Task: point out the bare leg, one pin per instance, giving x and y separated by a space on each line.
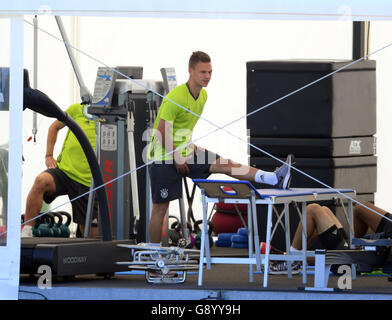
310 227
43 184
156 221
233 169
318 220
93 231
364 218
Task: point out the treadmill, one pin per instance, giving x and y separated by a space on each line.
72 256
68 257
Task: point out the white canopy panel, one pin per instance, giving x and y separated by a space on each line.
226 9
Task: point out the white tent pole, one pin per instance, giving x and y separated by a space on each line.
9 266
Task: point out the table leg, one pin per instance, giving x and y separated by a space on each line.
267 245
250 241
304 239
351 222
202 245
255 231
205 235
287 231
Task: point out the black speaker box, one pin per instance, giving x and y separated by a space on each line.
340 105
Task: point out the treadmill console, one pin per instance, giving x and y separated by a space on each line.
130 71
104 87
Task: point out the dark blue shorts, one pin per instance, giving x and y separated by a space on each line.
166 182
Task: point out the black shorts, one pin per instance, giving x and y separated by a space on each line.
166 182
67 186
385 225
331 239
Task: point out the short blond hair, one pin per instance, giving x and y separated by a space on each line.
196 57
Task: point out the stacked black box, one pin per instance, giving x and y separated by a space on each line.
329 125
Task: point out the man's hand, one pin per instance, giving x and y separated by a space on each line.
50 162
196 149
53 131
180 163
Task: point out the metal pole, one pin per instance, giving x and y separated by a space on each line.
35 74
84 92
132 168
184 228
120 214
361 31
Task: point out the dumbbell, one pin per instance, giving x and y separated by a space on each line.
176 234
43 226
198 233
173 235
57 232
65 231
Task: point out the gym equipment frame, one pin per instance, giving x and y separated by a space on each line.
161 260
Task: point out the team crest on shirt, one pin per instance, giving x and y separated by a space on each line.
164 193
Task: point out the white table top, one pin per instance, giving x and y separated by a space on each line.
272 195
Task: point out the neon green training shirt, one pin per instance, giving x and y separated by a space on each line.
182 121
72 160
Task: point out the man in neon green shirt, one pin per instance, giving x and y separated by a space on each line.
175 155
181 122
69 175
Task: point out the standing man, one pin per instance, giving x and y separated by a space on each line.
176 156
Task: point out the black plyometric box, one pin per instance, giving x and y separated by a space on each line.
340 105
358 173
313 147
278 240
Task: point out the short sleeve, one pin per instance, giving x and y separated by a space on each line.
73 110
169 111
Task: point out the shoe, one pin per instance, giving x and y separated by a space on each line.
281 267
283 173
27 232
